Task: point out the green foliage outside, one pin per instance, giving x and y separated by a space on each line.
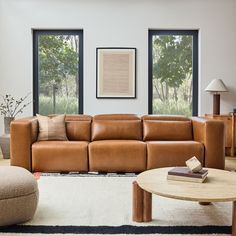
58 74
172 75
64 105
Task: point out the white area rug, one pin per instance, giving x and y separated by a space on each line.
103 205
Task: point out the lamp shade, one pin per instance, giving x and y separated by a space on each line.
216 85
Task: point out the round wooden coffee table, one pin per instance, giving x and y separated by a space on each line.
220 186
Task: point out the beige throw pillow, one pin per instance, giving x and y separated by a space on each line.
51 128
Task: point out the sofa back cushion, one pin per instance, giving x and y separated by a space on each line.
116 117
116 126
78 127
167 129
166 117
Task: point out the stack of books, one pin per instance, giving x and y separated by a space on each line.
185 174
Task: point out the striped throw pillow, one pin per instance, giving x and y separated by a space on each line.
51 128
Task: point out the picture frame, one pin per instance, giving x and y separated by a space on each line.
116 73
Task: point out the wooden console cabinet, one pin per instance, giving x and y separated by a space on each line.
229 120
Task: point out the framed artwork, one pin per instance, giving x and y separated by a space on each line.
116 73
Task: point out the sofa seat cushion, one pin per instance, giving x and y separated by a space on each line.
172 153
117 156
59 156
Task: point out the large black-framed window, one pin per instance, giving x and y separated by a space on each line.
57 71
173 72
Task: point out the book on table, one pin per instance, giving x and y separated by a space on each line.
187 179
185 174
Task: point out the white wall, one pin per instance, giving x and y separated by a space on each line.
123 23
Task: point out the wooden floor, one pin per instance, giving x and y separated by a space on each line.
230 162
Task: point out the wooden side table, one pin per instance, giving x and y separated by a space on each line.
5 145
229 121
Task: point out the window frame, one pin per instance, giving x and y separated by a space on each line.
36 34
194 34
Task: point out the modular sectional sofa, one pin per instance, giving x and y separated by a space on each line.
119 143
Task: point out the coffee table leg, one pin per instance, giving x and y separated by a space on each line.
142 204
147 206
234 220
137 203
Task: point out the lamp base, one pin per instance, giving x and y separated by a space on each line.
216 104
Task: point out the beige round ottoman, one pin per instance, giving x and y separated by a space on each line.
18 195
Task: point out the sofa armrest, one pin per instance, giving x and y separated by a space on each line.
24 132
211 134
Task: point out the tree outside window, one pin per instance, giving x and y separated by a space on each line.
57 72
172 76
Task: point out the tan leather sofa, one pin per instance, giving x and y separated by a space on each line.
119 143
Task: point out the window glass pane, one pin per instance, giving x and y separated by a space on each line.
58 73
172 74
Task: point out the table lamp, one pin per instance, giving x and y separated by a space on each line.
216 87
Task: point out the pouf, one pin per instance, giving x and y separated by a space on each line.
18 195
